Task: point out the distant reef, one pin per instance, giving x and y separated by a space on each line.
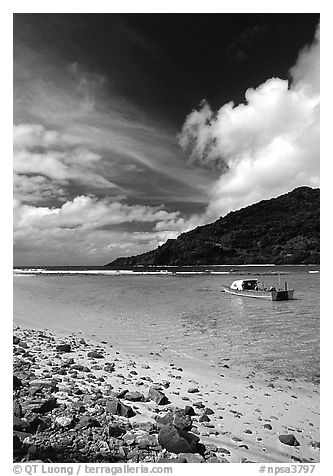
283 230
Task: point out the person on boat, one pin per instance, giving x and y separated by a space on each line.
256 287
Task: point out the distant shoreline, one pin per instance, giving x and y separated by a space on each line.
164 270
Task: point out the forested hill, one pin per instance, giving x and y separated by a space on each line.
283 230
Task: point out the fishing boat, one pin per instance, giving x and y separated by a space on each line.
250 288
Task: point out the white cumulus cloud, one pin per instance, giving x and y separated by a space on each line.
264 147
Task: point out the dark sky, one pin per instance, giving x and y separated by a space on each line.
132 128
167 63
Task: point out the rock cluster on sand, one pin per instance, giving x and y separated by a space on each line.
62 412
75 401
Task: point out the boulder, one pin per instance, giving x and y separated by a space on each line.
289 440
178 441
157 396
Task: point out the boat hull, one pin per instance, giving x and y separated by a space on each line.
268 295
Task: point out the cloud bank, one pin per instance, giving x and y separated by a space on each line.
85 227
264 147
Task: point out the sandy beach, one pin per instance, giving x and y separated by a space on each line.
77 399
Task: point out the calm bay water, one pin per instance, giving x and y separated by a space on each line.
184 315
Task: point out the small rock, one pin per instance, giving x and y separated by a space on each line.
95 355
146 441
115 431
20 425
115 407
147 426
204 418
87 422
63 348
43 384
224 451
64 421
17 383
188 410
198 404
192 457
134 396
157 396
215 459
193 390
315 444
289 440
17 409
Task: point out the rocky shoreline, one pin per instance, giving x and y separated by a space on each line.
77 401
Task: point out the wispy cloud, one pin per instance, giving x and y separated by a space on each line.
48 153
86 158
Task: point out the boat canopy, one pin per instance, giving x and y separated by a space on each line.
241 284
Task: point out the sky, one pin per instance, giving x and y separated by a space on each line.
130 129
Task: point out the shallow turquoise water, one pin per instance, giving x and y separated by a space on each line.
185 315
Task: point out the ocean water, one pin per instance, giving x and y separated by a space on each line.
184 315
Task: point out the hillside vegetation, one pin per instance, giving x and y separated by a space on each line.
283 230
